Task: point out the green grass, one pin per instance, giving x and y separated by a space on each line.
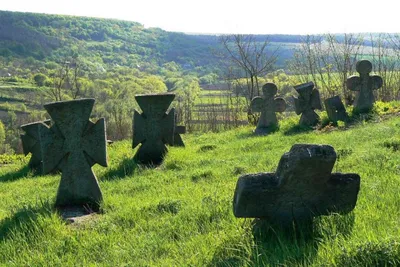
180 213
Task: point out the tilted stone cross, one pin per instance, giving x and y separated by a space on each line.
302 187
268 104
74 144
31 144
306 102
364 86
153 128
335 109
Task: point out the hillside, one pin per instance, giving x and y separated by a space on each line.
180 214
116 42
106 41
109 60
46 58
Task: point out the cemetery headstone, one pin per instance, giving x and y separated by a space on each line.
268 105
364 85
153 128
31 144
302 187
305 104
335 109
73 144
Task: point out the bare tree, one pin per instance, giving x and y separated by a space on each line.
305 61
66 80
345 50
248 58
385 57
327 61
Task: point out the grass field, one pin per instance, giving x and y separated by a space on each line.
180 213
218 101
20 97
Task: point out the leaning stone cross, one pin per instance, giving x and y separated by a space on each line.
31 144
306 102
302 187
268 104
74 144
364 86
153 128
335 109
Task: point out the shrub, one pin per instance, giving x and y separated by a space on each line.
40 79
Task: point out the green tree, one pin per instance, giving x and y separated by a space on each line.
186 96
40 79
153 84
209 78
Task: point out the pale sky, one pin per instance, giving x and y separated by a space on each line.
235 16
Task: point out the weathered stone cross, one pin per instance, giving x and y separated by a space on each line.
302 188
74 144
31 144
267 105
153 128
305 104
335 109
364 86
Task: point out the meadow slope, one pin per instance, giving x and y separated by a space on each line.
180 213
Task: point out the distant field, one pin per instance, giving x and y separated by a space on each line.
17 92
20 98
218 109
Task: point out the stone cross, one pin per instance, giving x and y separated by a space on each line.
31 144
335 109
364 86
177 141
268 104
306 102
74 144
302 187
153 128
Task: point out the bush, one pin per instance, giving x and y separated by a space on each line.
40 79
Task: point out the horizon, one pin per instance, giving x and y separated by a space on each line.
179 16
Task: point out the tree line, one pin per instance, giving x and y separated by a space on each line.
246 63
327 60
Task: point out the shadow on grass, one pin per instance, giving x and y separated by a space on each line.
298 129
23 172
126 168
267 244
325 125
24 220
259 132
359 117
353 118
296 244
248 134
15 175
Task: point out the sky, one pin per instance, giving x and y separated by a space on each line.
234 16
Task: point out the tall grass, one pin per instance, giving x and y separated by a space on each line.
180 213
